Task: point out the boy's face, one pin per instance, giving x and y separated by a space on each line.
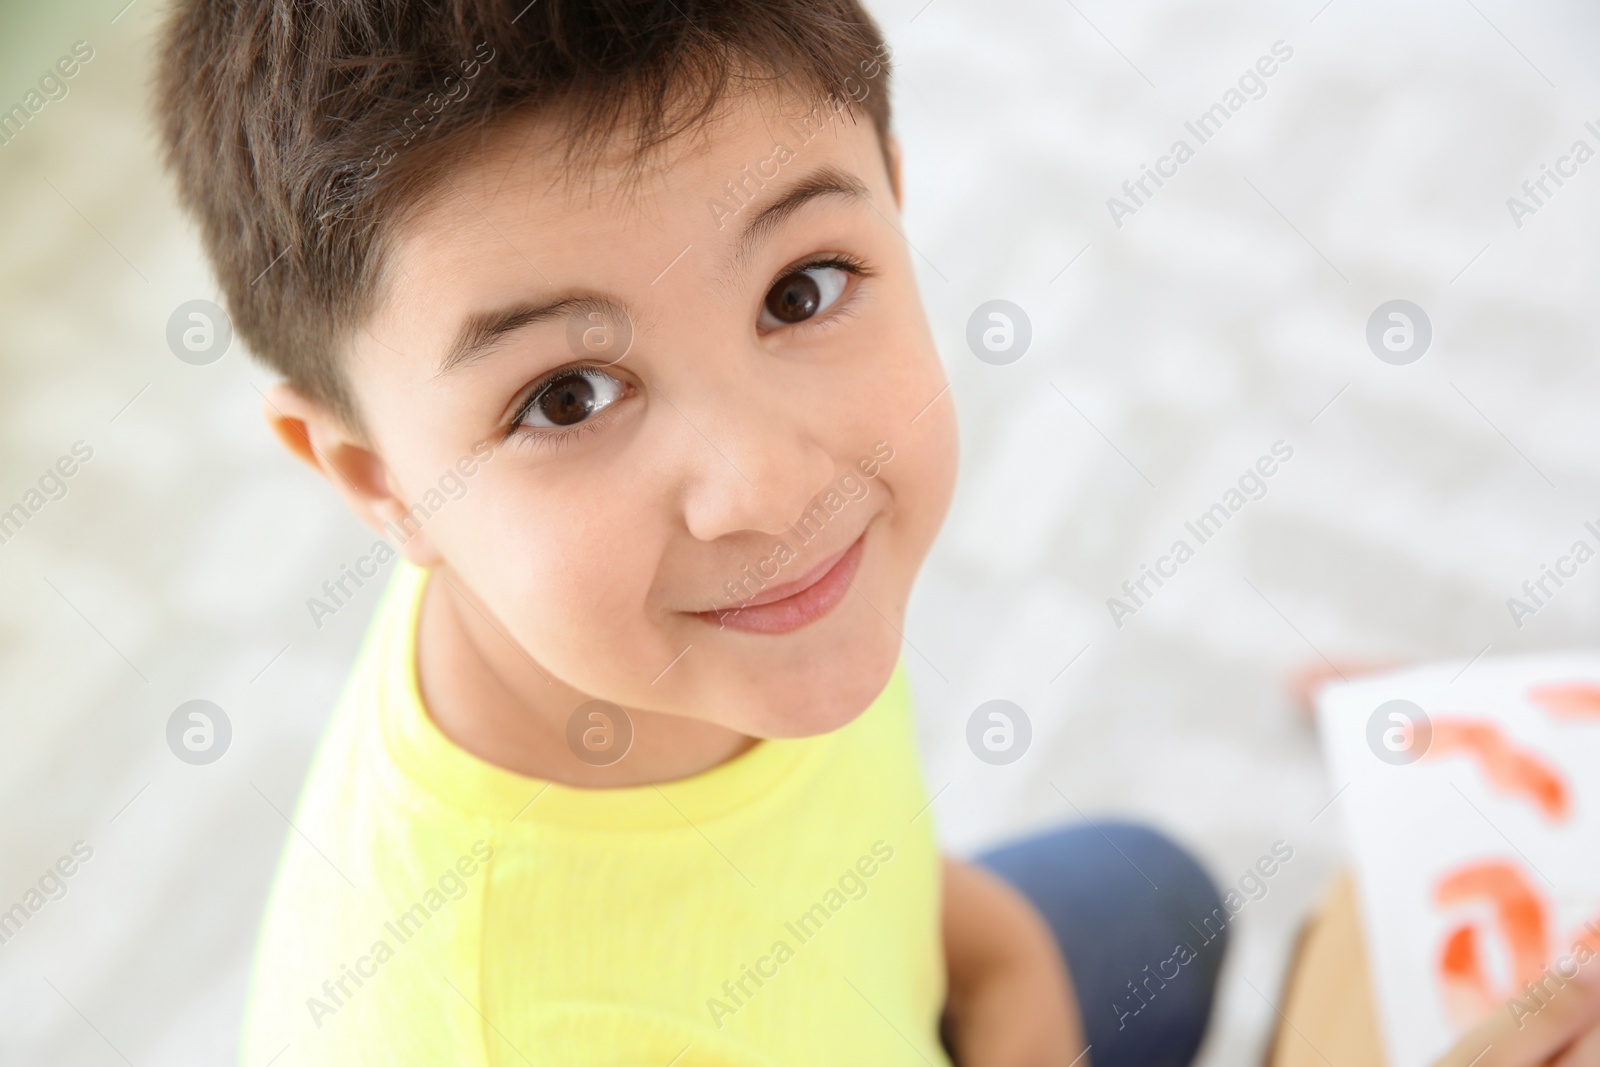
775 431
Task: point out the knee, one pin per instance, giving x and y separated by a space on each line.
1185 901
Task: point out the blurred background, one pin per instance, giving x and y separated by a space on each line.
1227 312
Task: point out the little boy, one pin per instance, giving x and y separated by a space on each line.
600 309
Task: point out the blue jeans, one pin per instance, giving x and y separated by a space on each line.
1136 919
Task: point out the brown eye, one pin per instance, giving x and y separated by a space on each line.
795 298
571 398
802 294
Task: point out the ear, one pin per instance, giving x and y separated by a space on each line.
316 436
892 151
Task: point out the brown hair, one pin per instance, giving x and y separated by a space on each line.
300 130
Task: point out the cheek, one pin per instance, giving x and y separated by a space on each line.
911 374
915 416
941 449
917 419
569 583
922 476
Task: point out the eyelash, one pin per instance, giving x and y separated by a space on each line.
844 262
838 260
555 440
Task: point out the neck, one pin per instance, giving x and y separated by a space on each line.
490 698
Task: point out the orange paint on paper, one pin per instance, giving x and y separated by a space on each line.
1507 769
1463 978
1470 992
1567 700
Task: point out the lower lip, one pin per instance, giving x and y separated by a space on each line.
799 609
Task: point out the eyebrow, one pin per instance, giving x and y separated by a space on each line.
484 329
824 181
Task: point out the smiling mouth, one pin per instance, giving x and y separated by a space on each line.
783 608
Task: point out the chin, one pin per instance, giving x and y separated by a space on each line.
819 696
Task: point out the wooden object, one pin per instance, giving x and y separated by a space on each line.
1327 1018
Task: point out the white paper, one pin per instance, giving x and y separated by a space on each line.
1475 864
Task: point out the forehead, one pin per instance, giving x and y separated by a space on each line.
751 143
516 216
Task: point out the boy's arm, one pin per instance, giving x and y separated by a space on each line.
1010 1002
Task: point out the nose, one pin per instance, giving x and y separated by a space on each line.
752 466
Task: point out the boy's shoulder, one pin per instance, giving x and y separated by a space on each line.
363 854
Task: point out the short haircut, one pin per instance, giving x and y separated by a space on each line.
301 131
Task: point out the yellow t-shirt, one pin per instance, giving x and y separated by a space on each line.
779 909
